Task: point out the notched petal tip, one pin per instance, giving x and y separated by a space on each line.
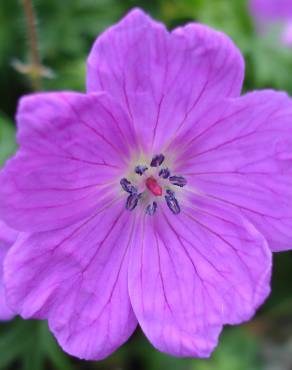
137 13
137 18
213 42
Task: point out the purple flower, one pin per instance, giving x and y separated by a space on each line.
153 199
7 238
270 12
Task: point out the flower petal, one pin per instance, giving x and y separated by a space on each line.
287 33
73 150
77 278
7 238
162 78
195 272
271 9
241 154
5 311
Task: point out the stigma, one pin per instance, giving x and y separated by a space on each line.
153 186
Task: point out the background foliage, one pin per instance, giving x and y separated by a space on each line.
66 30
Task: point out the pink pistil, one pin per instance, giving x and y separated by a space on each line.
153 186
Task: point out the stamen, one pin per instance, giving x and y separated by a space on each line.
153 186
132 201
157 160
164 173
127 186
151 209
140 169
172 202
178 181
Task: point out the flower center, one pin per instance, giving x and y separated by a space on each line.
145 186
153 186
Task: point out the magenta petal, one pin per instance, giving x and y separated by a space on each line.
5 311
77 278
162 78
271 9
287 32
7 238
73 147
194 272
240 153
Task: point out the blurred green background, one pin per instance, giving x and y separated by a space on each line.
66 31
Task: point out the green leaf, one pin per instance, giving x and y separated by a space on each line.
237 349
7 139
12 343
53 352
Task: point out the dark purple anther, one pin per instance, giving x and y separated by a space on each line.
170 192
127 186
164 173
172 202
157 160
140 169
132 201
178 181
151 209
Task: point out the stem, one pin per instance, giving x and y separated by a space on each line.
33 43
